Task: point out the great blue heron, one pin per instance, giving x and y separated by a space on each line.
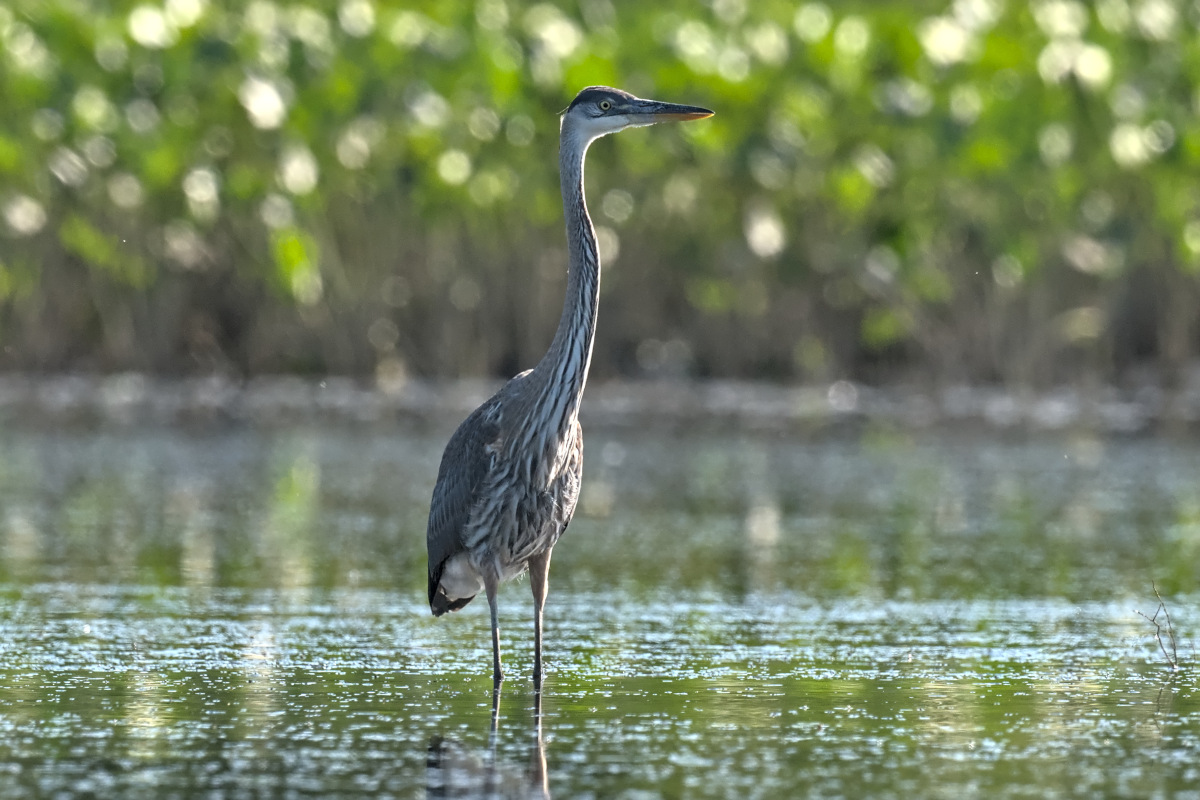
509 478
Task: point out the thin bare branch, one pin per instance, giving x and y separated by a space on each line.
1173 656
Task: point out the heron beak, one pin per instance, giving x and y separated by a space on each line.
654 111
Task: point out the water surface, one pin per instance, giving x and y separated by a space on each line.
731 614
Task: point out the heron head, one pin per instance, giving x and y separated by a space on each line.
600 110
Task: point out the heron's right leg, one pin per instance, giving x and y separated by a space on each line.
490 586
539 573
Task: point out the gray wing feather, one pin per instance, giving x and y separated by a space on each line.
465 465
571 480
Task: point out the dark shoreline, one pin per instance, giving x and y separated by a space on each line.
136 399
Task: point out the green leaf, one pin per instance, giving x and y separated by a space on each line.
109 254
296 263
884 326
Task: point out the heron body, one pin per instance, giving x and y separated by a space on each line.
510 475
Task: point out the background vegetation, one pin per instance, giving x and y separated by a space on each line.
978 190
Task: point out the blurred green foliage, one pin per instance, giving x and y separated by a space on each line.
991 190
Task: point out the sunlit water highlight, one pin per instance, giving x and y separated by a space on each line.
731 615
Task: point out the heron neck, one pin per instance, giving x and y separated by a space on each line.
564 368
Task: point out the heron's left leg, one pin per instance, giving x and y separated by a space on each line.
539 573
490 586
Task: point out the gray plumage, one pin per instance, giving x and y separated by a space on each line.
510 475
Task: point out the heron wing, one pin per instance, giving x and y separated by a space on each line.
570 481
465 464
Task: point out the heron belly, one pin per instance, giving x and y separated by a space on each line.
460 579
522 512
507 534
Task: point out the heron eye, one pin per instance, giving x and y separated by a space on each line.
605 105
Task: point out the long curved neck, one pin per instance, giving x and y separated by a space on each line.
562 373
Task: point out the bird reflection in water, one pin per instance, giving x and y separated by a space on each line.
453 770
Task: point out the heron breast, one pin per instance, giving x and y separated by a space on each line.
513 525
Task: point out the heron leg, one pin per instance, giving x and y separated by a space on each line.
490 586
539 574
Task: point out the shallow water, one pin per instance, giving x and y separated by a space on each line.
867 614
